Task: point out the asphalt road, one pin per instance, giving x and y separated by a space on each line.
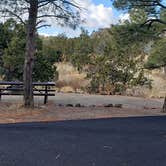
111 142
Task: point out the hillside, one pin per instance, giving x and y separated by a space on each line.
70 80
158 83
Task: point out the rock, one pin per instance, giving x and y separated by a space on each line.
69 105
60 105
108 105
118 105
78 105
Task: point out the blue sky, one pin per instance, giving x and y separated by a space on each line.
99 14
107 3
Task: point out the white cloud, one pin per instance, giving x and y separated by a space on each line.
45 34
96 16
124 17
52 31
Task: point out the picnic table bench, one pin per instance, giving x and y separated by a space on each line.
16 88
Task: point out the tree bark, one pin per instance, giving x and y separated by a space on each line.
29 54
164 105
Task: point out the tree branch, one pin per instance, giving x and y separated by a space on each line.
159 4
13 14
52 15
43 4
46 25
151 21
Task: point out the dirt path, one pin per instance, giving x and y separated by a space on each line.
85 99
11 110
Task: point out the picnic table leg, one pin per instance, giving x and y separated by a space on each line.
46 95
164 105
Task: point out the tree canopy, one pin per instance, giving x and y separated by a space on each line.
153 8
64 12
156 15
13 54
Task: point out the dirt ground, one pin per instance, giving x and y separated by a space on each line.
13 112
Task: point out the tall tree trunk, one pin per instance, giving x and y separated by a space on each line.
164 105
29 54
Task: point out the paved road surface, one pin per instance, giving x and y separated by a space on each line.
71 98
111 142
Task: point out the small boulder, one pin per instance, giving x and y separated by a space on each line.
78 105
118 105
69 105
60 105
108 105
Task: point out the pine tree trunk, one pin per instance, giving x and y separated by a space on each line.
29 55
164 105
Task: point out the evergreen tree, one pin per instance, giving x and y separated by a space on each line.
156 12
37 10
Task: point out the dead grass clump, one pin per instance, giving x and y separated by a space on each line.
70 80
18 108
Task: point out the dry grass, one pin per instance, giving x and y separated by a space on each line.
15 113
70 80
158 83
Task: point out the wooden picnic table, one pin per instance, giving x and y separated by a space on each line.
16 88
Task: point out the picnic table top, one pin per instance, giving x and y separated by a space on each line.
21 83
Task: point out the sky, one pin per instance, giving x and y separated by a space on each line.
98 14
